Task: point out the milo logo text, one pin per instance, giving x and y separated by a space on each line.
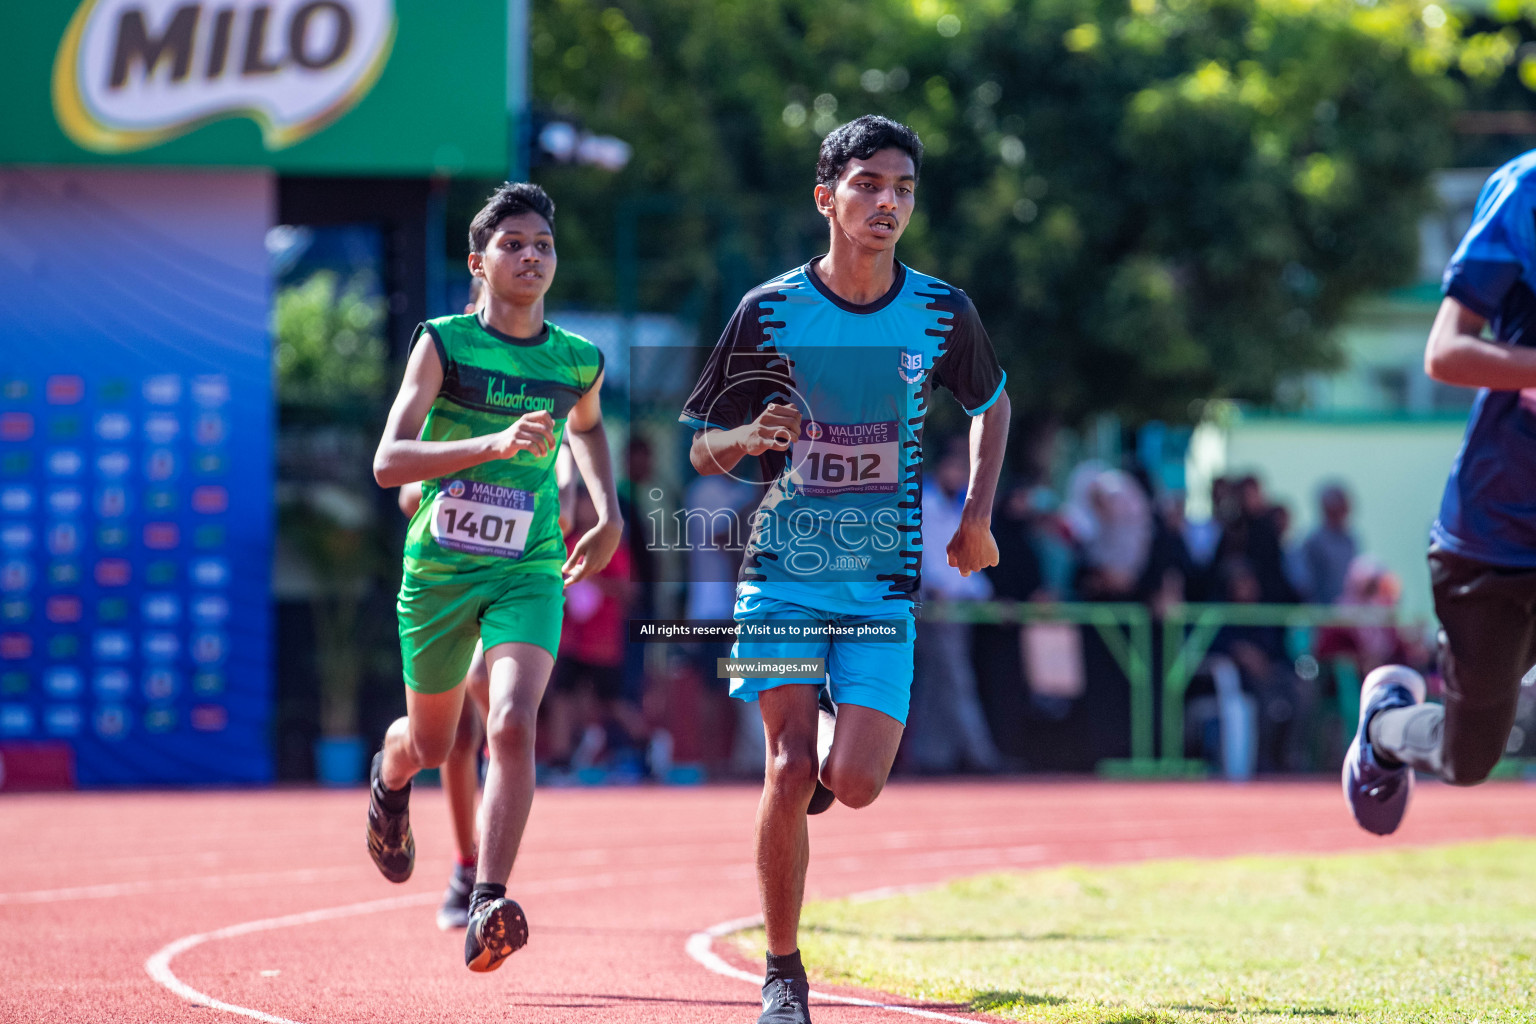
130 74
498 395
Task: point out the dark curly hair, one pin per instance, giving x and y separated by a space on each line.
511 199
862 138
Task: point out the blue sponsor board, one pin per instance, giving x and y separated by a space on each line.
135 473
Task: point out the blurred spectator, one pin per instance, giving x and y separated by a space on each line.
1368 583
1266 672
1202 535
642 560
1019 574
946 729
1111 521
1170 567
1329 549
588 681
716 525
1252 534
637 474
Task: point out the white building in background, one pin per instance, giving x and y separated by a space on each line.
1380 423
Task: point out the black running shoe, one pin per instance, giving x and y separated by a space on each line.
454 910
786 1001
497 929
390 842
826 723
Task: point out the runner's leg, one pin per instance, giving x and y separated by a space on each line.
519 673
783 842
461 771
863 749
423 737
1490 629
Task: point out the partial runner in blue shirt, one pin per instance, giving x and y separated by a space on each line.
825 373
1482 555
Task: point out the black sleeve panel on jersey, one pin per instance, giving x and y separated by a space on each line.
437 341
741 375
968 366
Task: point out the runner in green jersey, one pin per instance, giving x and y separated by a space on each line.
479 419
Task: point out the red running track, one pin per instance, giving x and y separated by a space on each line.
267 901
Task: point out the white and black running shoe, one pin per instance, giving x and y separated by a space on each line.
786 1001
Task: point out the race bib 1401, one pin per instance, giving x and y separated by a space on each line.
482 519
848 458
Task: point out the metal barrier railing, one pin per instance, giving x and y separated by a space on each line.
1189 630
1126 629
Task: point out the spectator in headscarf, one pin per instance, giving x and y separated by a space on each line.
1110 518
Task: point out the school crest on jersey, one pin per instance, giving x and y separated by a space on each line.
912 369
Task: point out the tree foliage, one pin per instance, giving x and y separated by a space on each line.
329 340
1152 202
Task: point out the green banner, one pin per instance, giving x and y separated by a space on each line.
393 87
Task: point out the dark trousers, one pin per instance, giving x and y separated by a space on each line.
1489 616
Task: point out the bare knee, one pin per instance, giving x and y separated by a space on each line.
430 751
792 771
855 787
510 731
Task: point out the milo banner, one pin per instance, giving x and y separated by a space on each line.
400 87
135 478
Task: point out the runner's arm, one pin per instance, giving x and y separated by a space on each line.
716 450
1457 354
589 446
973 547
403 458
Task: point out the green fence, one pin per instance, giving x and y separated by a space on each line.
1188 632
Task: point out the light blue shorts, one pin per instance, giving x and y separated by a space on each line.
870 673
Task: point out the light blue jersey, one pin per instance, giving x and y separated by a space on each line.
838 539
841 526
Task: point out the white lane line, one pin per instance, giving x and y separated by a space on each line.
115 890
159 965
700 947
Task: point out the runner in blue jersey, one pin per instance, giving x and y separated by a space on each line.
826 373
1482 554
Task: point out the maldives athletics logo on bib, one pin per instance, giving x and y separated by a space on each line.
130 74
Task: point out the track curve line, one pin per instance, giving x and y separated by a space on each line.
701 947
159 964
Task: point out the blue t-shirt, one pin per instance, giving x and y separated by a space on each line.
1489 509
842 519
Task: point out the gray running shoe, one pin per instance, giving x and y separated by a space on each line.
1377 795
453 912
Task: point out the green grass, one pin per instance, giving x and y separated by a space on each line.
1399 937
